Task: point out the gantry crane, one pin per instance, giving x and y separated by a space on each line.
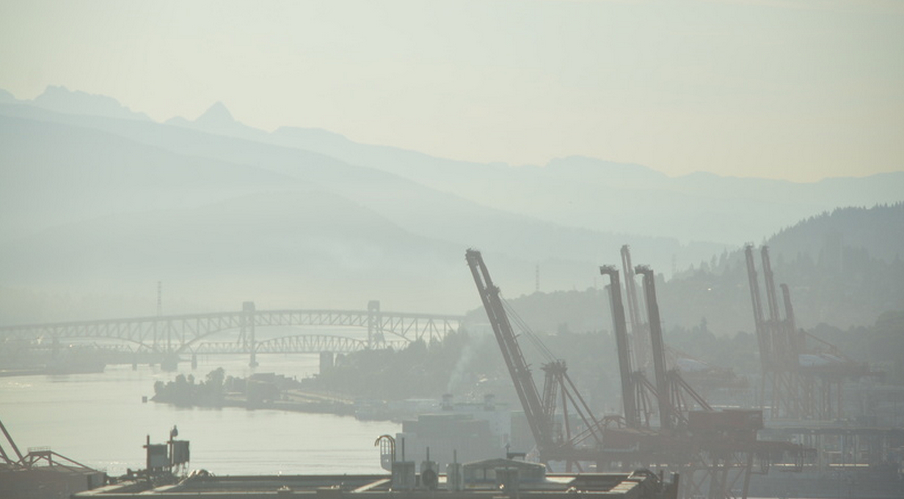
629 399
762 334
639 331
540 424
657 347
675 396
714 451
784 357
797 392
779 347
636 388
540 412
640 339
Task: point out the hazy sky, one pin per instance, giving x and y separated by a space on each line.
782 89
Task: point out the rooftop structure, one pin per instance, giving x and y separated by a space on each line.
42 473
485 479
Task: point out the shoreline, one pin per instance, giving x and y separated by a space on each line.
292 401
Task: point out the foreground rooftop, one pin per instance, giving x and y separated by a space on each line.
637 485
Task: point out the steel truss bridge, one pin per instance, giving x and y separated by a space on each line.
189 333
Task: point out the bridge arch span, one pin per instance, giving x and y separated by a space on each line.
177 333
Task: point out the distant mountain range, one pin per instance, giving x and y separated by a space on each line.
98 199
594 194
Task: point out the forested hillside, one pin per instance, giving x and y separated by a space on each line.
843 268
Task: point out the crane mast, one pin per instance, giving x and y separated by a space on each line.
675 397
762 335
783 342
786 389
781 338
716 450
771 298
535 411
779 345
638 330
796 341
629 400
659 368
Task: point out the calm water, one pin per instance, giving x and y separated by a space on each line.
100 421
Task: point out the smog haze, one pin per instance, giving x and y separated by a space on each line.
551 132
267 219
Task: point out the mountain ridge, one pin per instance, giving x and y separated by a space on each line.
746 203
545 227
63 100
97 198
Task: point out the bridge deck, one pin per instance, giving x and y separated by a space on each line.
182 333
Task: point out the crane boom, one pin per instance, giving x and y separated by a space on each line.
638 330
783 342
776 327
659 368
762 334
771 297
12 444
621 341
796 341
534 409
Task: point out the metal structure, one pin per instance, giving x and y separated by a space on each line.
641 349
182 333
300 343
796 391
558 390
658 349
675 396
629 378
534 409
777 363
632 417
41 458
715 451
639 328
12 444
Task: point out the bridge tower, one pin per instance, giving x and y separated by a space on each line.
247 331
374 323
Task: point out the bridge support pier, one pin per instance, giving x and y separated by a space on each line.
327 361
169 361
